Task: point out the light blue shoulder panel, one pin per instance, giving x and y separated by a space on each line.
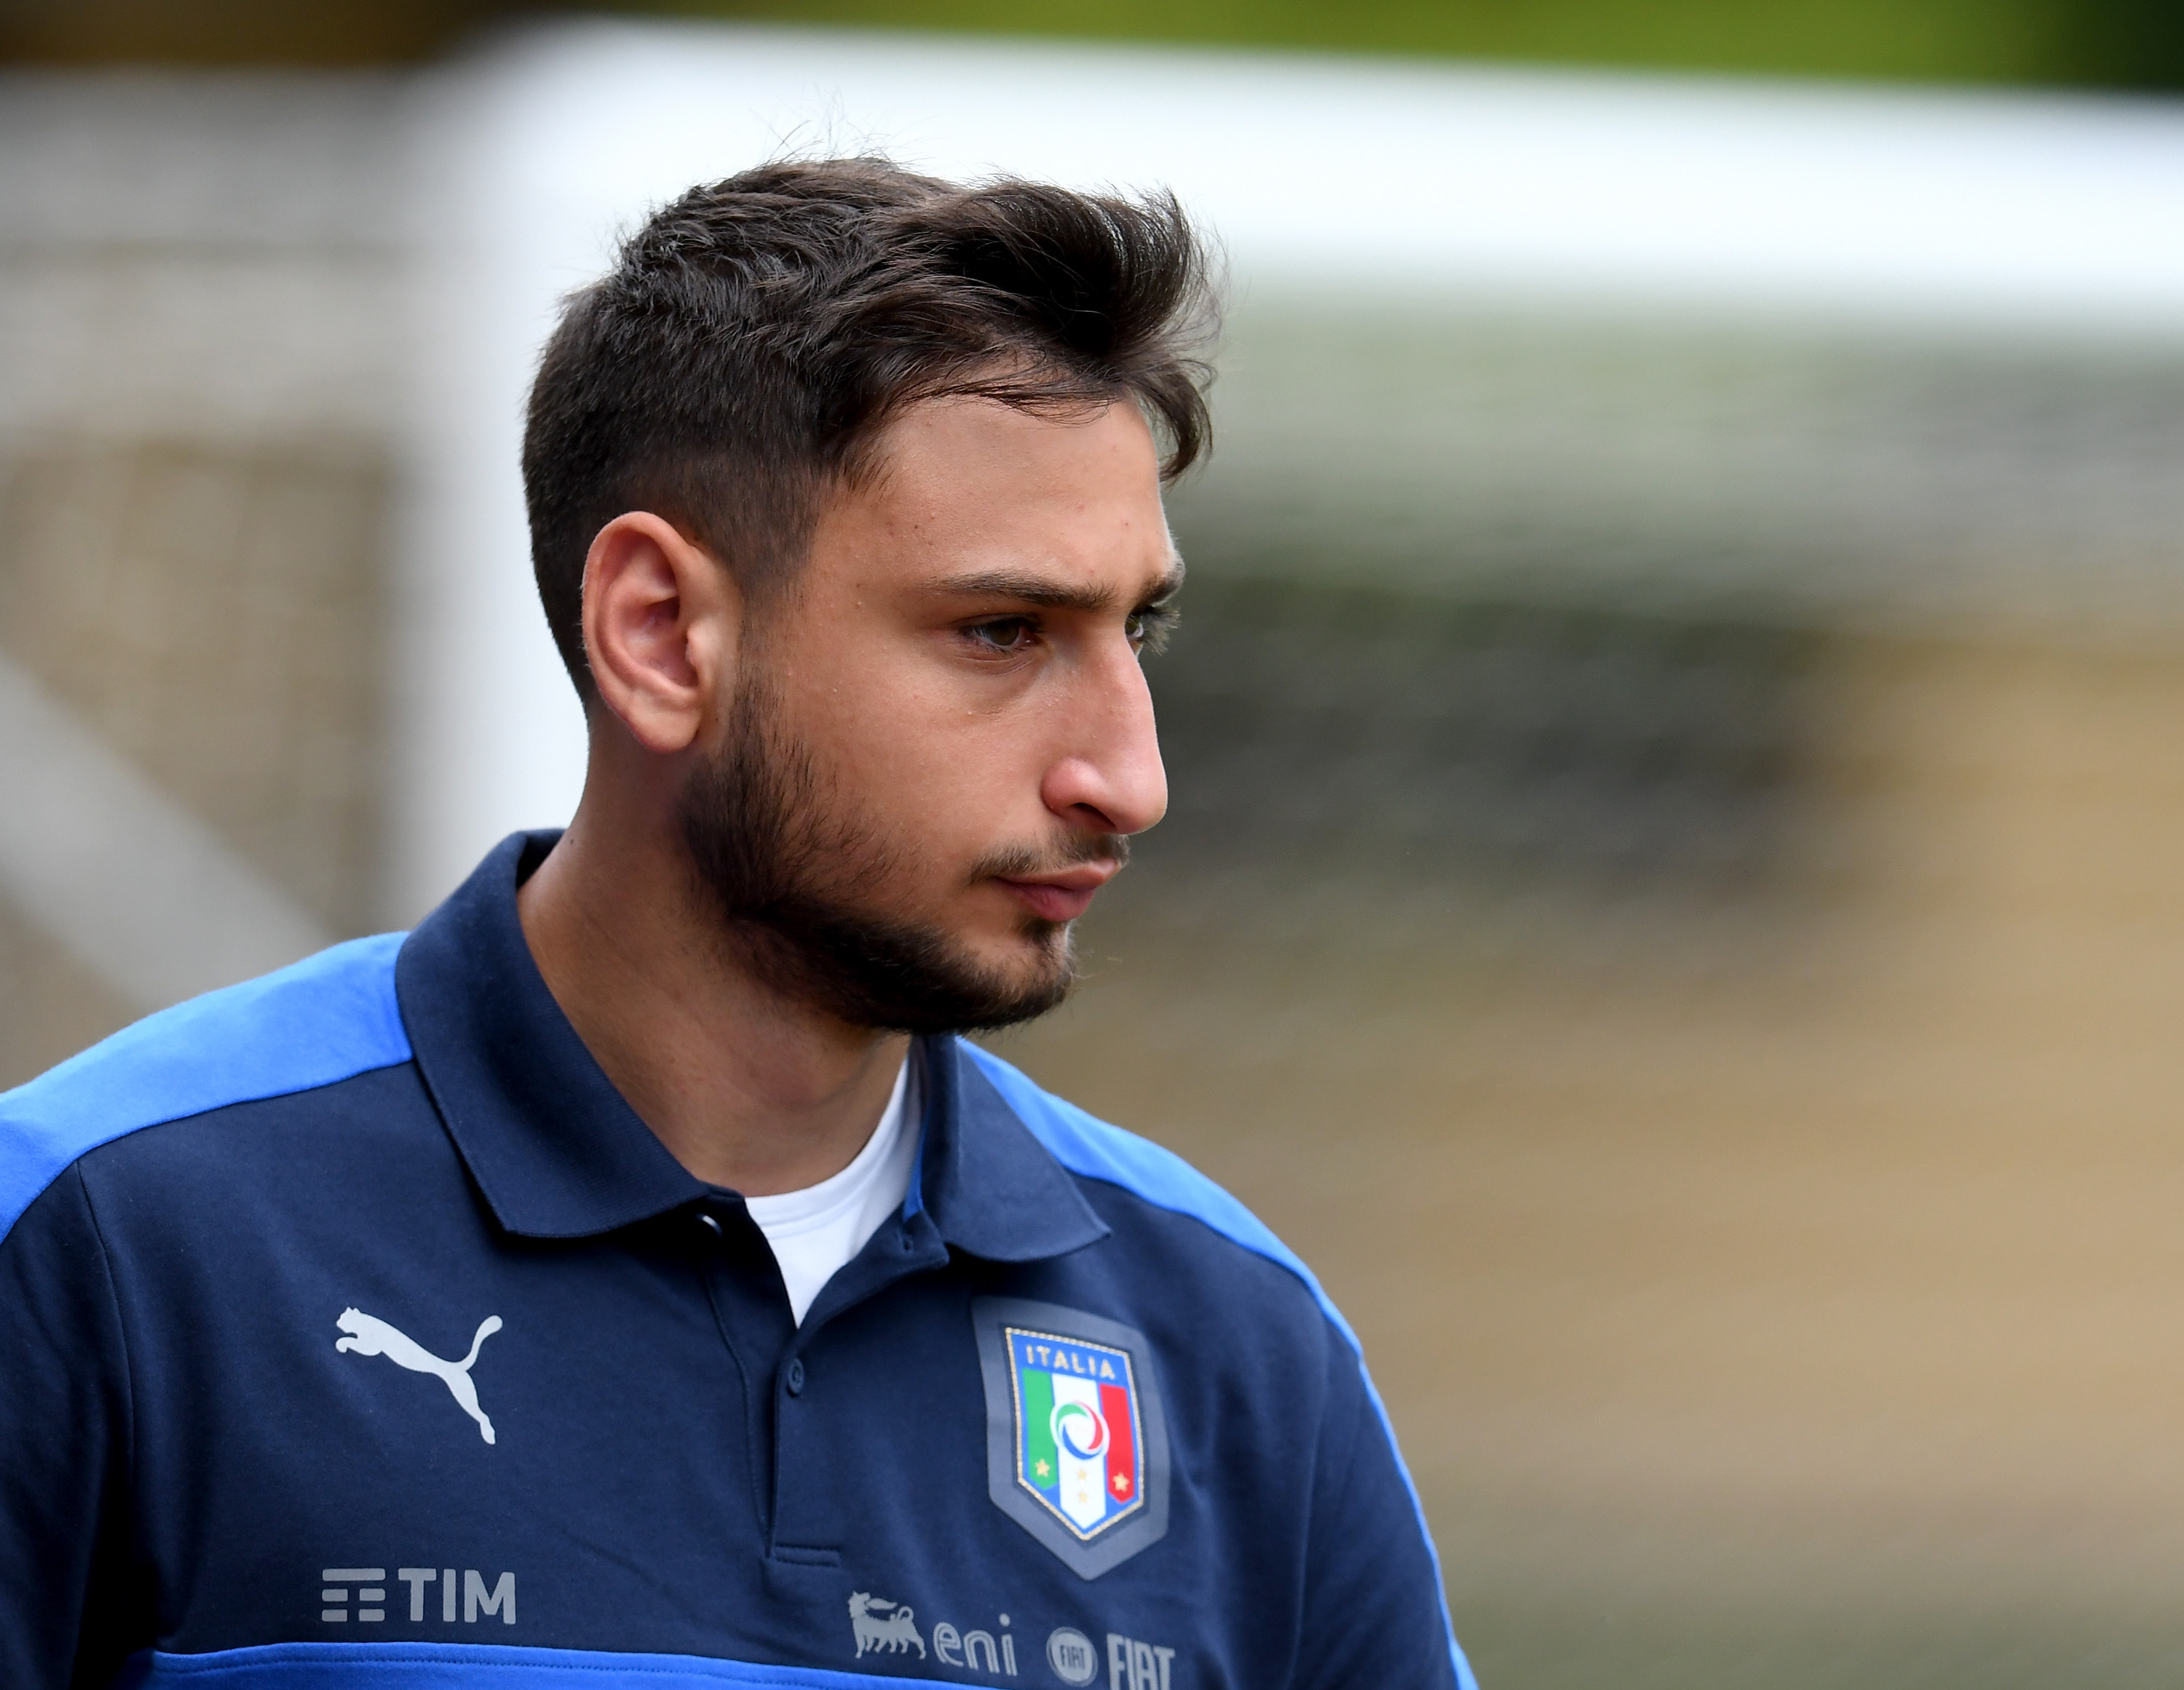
327 1018
473 1667
1094 1150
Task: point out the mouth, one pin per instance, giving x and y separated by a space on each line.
1065 894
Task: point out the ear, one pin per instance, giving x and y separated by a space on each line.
662 619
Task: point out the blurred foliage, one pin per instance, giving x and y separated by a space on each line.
239 32
1977 41
2136 44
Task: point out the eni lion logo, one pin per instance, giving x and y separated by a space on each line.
368 1335
878 1629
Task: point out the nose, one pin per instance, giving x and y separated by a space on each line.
1108 778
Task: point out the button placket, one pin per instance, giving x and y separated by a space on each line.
755 1332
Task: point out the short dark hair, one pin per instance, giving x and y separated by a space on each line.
755 335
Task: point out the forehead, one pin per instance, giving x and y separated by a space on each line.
975 483
963 462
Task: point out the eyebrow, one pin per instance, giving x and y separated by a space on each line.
1029 589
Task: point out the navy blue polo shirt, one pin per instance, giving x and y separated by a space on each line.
353 1331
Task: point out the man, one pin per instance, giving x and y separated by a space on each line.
632 1276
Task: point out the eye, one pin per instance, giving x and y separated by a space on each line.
1004 637
1147 629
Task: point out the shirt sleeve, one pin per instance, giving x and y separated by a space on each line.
1373 1611
68 1616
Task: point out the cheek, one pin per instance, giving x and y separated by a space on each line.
953 779
951 784
948 766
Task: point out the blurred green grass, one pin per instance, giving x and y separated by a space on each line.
2134 44
2126 43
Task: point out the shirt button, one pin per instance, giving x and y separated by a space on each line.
796 1376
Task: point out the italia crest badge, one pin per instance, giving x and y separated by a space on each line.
1077 1442
1076 1427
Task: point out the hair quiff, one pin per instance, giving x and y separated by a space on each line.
754 336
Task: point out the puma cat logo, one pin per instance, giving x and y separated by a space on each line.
368 1335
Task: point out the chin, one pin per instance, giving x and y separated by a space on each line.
900 974
1030 949
1031 969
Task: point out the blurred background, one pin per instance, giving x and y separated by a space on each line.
1677 737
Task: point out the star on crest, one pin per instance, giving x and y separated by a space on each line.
1121 1482
1040 1468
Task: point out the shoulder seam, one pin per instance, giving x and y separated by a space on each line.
75 1164
326 1019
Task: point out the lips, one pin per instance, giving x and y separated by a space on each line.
1064 895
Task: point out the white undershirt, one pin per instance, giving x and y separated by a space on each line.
815 1231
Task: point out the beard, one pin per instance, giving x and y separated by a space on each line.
797 878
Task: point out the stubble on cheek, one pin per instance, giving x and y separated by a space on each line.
852 915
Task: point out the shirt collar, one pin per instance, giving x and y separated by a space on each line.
557 1153
992 1189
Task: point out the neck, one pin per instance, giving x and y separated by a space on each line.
747 1089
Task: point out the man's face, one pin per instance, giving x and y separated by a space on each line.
940 737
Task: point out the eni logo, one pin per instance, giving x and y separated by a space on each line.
880 1624
368 1335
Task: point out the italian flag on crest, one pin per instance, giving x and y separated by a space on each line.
1078 1436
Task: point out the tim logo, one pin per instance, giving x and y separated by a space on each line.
480 1600
369 1335
882 1625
